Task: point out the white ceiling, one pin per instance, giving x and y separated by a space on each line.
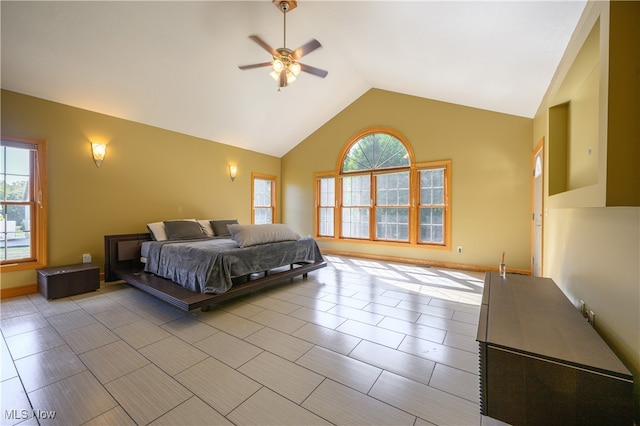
174 64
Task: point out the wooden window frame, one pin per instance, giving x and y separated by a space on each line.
340 207
317 178
274 185
375 206
38 210
446 165
414 197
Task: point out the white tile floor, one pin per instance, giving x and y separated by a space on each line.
359 342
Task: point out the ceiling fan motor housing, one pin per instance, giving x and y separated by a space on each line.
285 5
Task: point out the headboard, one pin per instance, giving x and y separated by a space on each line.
122 252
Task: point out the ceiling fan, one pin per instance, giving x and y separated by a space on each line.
285 61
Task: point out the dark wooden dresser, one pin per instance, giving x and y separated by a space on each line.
542 363
63 281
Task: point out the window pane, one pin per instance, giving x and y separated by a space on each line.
356 191
15 235
392 224
263 215
392 189
15 188
327 192
17 161
438 178
432 187
326 222
376 151
432 225
437 196
262 193
355 222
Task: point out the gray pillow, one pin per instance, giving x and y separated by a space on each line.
157 231
183 229
252 235
220 227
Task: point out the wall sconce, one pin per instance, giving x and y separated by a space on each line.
98 150
233 171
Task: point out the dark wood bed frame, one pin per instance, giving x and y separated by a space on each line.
122 262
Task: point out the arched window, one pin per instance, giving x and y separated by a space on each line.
375 151
379 193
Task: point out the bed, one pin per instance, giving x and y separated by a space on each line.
190 270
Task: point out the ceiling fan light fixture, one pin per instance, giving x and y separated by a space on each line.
278 66
295 68
291 77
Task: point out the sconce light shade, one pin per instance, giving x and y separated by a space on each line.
233 170
98 150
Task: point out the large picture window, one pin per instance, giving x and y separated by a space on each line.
22 204
380 194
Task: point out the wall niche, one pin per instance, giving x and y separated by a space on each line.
574 122
593 108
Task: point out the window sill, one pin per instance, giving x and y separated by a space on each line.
385 243
20 266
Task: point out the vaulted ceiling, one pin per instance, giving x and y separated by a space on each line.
174 64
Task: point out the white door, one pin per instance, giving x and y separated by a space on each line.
538 211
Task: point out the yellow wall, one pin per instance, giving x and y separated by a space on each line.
623 132
573 153
593 254
148 175
491 181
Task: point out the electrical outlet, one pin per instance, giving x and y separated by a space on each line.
583 308
459 249
591 317
86 258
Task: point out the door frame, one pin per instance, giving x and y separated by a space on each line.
538 150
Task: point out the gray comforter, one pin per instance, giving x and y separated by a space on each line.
209 265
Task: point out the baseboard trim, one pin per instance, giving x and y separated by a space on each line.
425 262
6 293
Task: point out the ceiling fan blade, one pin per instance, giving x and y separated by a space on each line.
283 79
306 48
248 67
313 70
263 44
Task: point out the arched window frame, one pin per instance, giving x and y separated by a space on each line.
360 136
335 208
